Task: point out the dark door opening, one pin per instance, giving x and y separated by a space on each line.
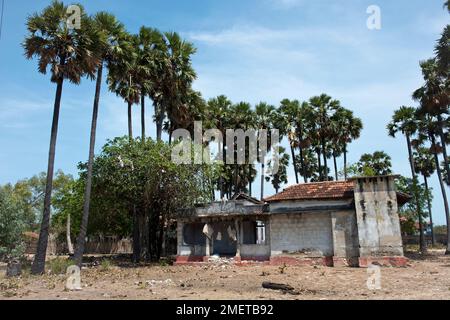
224 239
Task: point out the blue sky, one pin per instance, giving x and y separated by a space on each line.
249 50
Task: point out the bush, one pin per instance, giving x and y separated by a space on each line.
12 226
59 265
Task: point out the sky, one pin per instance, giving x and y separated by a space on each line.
248 50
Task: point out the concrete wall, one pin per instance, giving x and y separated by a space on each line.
292 233
345 234
255 251
377 217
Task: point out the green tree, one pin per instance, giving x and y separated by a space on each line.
410 210
141 174
13 222
68 52
369 165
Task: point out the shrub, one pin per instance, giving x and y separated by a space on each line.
12 226
59 265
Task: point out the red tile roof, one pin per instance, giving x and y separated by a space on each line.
312 191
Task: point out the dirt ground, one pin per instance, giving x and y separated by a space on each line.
424 278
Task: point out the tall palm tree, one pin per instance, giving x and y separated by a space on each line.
324 107
280 177
404 121
219 111
346 128
68 52
289 111
111 46
434 98
242 117
265 114
177 77
151 50
424 164
427 131
123 80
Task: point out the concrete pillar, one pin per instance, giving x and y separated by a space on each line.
180 240
208 246
239 236
377 217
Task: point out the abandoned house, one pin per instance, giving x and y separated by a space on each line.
351 223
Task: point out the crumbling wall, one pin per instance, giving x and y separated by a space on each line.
310 233
377 217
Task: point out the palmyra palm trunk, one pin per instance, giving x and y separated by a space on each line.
433 239
444 149
302 158
325 165
319 163
78 257
294 161
38 266
335 166
262 178
345 162
444 194
159 122
143 117
422 244
130 121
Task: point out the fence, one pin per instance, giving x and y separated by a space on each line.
411 240
98 245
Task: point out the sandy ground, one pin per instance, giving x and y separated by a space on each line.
425 278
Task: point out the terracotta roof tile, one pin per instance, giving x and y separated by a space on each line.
312 191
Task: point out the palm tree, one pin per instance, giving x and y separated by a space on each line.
323 107
265 114
151 51
68 52
111 46
404 121
290 110
241 117
123 80
346 128
427 131
218 109
279 177
304 142
177 77
424 164
375 164
434 98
